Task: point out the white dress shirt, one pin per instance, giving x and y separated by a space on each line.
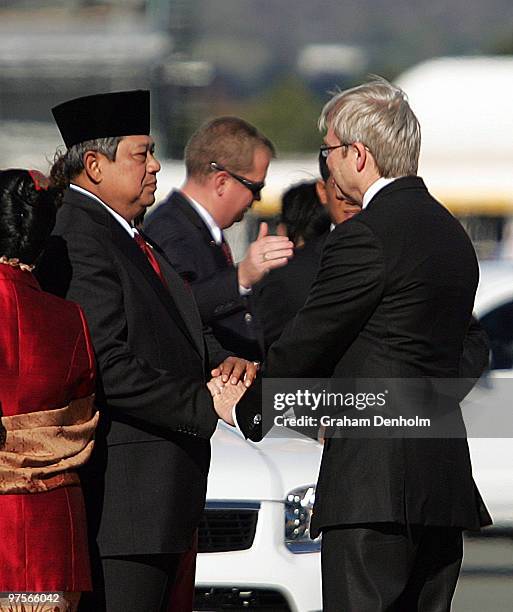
123 222
374 188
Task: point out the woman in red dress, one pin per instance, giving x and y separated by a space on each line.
47 419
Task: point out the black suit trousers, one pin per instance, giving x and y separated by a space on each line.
387 567
132 583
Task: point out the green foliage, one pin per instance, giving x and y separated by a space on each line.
286 113
503 45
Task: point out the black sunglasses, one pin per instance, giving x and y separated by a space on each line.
254 186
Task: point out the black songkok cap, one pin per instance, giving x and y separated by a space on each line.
124 113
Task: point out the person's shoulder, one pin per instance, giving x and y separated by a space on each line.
73 220
169 214
67 312
359 227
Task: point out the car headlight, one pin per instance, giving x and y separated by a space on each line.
298 513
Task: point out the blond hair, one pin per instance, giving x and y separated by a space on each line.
229 141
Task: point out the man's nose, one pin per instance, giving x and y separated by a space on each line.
153 164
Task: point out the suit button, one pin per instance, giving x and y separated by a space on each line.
248 317
256 419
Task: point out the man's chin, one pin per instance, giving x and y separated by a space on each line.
148 202
240 216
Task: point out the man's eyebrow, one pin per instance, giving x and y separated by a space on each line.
144 145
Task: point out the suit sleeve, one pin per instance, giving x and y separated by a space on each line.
272 309
345 293
132 386
216 353
216 296
475 358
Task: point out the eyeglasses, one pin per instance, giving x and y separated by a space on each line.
325 150
254 186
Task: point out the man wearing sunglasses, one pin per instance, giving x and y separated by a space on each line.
226 162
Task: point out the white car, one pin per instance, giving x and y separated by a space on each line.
255 546
492 457
255 549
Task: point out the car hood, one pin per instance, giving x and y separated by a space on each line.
268 470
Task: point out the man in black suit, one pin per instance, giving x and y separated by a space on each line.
145 486
226 162
393 298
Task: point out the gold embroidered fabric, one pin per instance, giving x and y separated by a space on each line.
41 450
16 263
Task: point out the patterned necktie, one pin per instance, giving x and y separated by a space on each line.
148 251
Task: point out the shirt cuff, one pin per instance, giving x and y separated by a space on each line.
234 419
244 290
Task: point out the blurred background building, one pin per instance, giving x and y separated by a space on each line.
274 63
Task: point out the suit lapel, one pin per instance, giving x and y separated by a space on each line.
126 244
182 297
181 203
167 296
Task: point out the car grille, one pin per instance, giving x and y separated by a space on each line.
236 599
225 528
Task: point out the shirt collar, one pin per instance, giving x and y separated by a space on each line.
122 221
374 188
215 230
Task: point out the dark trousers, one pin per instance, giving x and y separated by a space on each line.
387 567
132 584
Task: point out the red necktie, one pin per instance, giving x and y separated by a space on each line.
148 251
227 252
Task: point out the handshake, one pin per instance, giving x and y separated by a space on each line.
229 382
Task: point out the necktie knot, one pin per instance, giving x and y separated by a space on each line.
141 242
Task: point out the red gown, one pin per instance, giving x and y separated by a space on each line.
46 360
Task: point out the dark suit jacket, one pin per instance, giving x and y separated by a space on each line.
145 487
393 298
187 242
281 293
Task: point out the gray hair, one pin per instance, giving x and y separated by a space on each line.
68 165
378 115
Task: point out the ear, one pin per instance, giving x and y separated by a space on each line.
93 165
361 155
219 181
320 188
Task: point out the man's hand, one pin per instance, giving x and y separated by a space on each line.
263 255
225 397
236 369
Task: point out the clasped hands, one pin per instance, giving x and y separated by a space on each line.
229 382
